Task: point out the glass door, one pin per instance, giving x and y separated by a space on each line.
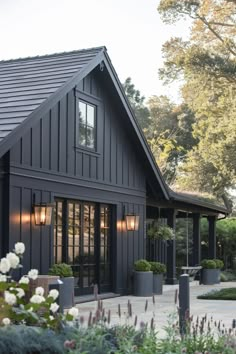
82 238
105 246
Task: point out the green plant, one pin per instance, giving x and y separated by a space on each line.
158 268
27 340
142 265
227 276
160 232
18 304
223 294
208 264
63 270
219 263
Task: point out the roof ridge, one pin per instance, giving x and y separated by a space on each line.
100 48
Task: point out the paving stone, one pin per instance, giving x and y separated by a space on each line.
164 306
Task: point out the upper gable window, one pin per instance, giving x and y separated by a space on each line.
86 131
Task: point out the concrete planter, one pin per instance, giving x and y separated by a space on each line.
210 276
143 283
157 284
67 294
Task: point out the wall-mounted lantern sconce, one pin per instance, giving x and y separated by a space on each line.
132 222
43 213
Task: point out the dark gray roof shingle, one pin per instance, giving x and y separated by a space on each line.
26 83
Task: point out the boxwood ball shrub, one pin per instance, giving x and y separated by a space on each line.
208 264
158 268
142 265
63 270
219 263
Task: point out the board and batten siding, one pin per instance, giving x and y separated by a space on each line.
50 146
46 163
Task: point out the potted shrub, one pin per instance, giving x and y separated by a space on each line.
143 278
64 271
158 270
211 271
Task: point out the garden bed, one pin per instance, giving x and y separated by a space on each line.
223 294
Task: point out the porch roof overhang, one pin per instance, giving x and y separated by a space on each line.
187 204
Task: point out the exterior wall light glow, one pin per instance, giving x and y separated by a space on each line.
132 222
43 214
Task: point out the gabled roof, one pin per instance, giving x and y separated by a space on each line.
29 87
26 83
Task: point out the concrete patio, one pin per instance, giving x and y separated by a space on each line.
164 306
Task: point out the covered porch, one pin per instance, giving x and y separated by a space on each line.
183 214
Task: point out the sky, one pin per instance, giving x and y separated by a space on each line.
131 30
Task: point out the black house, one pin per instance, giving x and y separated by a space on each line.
69 138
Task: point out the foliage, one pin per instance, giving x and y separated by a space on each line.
219 263
158 268
226 239
208 264
160 232
137 103
203 336
100 337
182 225
169 134
227 275
63 270
142 265
206 64
222 294
19 305
26 340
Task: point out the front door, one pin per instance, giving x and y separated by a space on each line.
82 238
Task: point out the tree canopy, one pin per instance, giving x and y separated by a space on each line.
207 65
137 103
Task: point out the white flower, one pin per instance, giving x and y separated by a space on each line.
37 299
24 280
54 293
19 248
51 318
33 274
13 259
73 312
39 291
5 265
3 278
30 309
20 293
54 307
10 298
6 321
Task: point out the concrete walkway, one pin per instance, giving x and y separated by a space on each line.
165 306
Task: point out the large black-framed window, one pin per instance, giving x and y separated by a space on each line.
86 125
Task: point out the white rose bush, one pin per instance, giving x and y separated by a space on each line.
18 306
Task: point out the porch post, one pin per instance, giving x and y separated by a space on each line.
171 250
196 258
212 237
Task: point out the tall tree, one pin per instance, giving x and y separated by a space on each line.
137 103
169 134
207 64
